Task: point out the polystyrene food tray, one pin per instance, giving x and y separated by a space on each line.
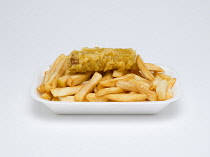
148 107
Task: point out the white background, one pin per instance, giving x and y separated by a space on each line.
174 33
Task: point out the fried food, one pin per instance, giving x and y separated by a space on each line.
65 91
66 98
139 83
111 90
78 79
145 71
107 76
91 97
112 82
153 67
118 75
163 76
100 59
55 72
46 96
62 81
154 83
171 83
129 86
161 90
87 88
139 78
126 97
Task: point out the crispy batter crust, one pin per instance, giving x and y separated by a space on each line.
100 59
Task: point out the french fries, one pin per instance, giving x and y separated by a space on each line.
145 71
55 99
171 83
169 94
138 78
77 79
139 83
112 82
87 88
161 90
132 93
66 98
91 97
111 90
129 86
65 91
117 73
126 97
153 67
134 67
154 83
46 96
142 82
163 76
107 76
62 81
55 73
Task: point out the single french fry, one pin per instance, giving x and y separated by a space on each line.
95 89
91 97
59 70
55 99
65 91
77 79
169 93
62 81
66 98
117 73
112 82
153 67
171 83
126 97
138 78
87 88
163 76
140 83
161 90
154 83
58 86
133 93
66 72
41 88
85 100
126 86
112 90
85 82
144 69
46 96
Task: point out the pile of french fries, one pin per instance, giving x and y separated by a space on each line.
143 82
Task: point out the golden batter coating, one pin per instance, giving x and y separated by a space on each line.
101 59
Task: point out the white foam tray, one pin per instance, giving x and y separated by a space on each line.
149 107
